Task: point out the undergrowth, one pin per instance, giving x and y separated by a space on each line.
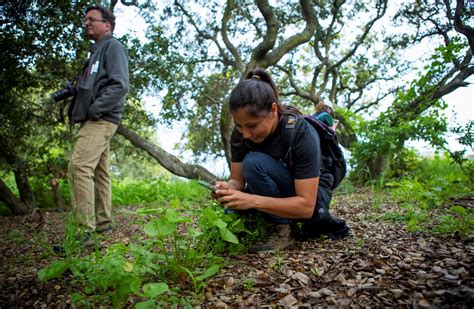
428 198
187 235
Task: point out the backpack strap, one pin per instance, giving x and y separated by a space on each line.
287 137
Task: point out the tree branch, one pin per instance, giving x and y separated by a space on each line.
225 59
167 160
233 50
271 23
461 27
13 203
309 15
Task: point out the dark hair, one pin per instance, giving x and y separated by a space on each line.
257 93
107 14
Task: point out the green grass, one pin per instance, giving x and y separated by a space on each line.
142 192
425 198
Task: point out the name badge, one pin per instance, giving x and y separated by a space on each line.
95 67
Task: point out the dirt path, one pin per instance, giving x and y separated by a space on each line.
380 265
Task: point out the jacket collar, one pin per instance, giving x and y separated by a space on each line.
97 45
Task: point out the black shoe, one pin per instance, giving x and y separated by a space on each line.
85 240
335 229
104 230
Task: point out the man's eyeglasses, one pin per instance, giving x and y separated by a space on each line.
92 19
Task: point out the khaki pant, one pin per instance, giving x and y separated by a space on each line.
89 174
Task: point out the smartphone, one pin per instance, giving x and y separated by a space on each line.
207 186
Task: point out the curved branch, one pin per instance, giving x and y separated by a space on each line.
167 160
380 13
309 15
233 50
225 59
461 27
272 30
13 203
455 83
298 90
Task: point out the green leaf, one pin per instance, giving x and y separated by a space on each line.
135 285
228 236
146 304
211 271
459 210
154 289
210 214
147 211
53 270
219 223
159 228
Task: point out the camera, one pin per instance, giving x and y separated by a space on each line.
66 92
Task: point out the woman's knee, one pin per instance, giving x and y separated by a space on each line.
254 163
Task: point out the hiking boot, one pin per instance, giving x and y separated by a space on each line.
104 230
85 240
278 237
335 229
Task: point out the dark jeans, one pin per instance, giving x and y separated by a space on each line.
268 177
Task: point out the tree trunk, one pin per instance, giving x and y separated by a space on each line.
226 124
13 203
345 133
19 170
167 160
378 165
22 183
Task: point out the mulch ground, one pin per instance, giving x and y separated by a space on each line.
379 265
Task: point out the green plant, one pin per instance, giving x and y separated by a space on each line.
182 250
360 242
459 220
248 284
277 261
465 138
345 187
15 236
158 191
377 193
423 194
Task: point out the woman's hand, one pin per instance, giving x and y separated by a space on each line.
220 185
235 199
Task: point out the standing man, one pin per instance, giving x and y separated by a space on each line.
98 108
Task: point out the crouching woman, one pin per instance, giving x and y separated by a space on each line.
261 176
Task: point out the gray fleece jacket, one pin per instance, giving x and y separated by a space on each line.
103 85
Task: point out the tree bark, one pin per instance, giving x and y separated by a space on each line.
19 169
462 28
13 203
167 160
378 165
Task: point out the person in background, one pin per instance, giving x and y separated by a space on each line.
97 108
324 111
261 178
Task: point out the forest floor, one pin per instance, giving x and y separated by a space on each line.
379 265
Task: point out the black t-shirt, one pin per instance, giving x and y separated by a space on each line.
306 153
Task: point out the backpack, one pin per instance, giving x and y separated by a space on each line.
332 156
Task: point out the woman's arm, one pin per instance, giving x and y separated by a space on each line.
296 207
236 180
